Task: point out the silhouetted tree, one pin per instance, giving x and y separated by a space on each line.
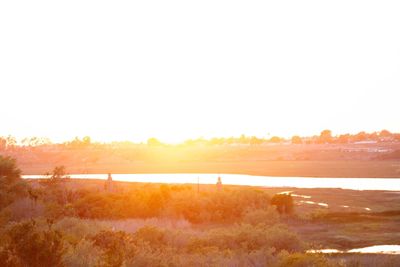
373 136
283 203
343 139
11 142
255 141
86 141
361 136
11 184
9 173
385 133
153 142
385 136
297 140
58 173
275 139
325 136
35 141
77 143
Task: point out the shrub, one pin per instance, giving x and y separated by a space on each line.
153 235
283 203
84 254
261 216
74 229
24 208
115 247
248 238
304 260
11 184
35 247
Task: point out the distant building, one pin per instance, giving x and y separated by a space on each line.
109 186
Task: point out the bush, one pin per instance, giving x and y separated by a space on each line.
24 208
74 229
225 207
249 238
115 247
304 260
11 184
35 247
283 203
84 254
152 235
267 216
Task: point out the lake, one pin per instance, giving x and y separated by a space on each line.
380 249
391 184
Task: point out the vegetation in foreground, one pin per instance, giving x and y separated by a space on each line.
60 222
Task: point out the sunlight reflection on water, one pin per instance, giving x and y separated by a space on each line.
380 249
314 203
392 184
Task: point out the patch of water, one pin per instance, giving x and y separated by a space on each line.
293 195
314 203
379 249
390 184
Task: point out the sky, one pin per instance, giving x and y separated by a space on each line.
130 70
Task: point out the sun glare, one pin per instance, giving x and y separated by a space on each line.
200 73
199 133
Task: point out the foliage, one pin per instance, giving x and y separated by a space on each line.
297 140
35 247
74 229
305 260
24 208
249 238
83 254
283 203
227 206
9 172
57 175
115 247
76 226
325 137
261 216
11 184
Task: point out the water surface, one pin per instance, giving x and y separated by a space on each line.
391 184
380 249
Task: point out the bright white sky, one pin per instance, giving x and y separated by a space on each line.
130 70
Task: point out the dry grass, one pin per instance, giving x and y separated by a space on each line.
132 225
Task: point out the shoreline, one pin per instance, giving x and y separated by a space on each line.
359 184
309 169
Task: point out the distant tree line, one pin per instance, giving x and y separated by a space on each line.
10 143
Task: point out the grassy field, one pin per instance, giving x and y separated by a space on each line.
323 160
348 219
148 224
